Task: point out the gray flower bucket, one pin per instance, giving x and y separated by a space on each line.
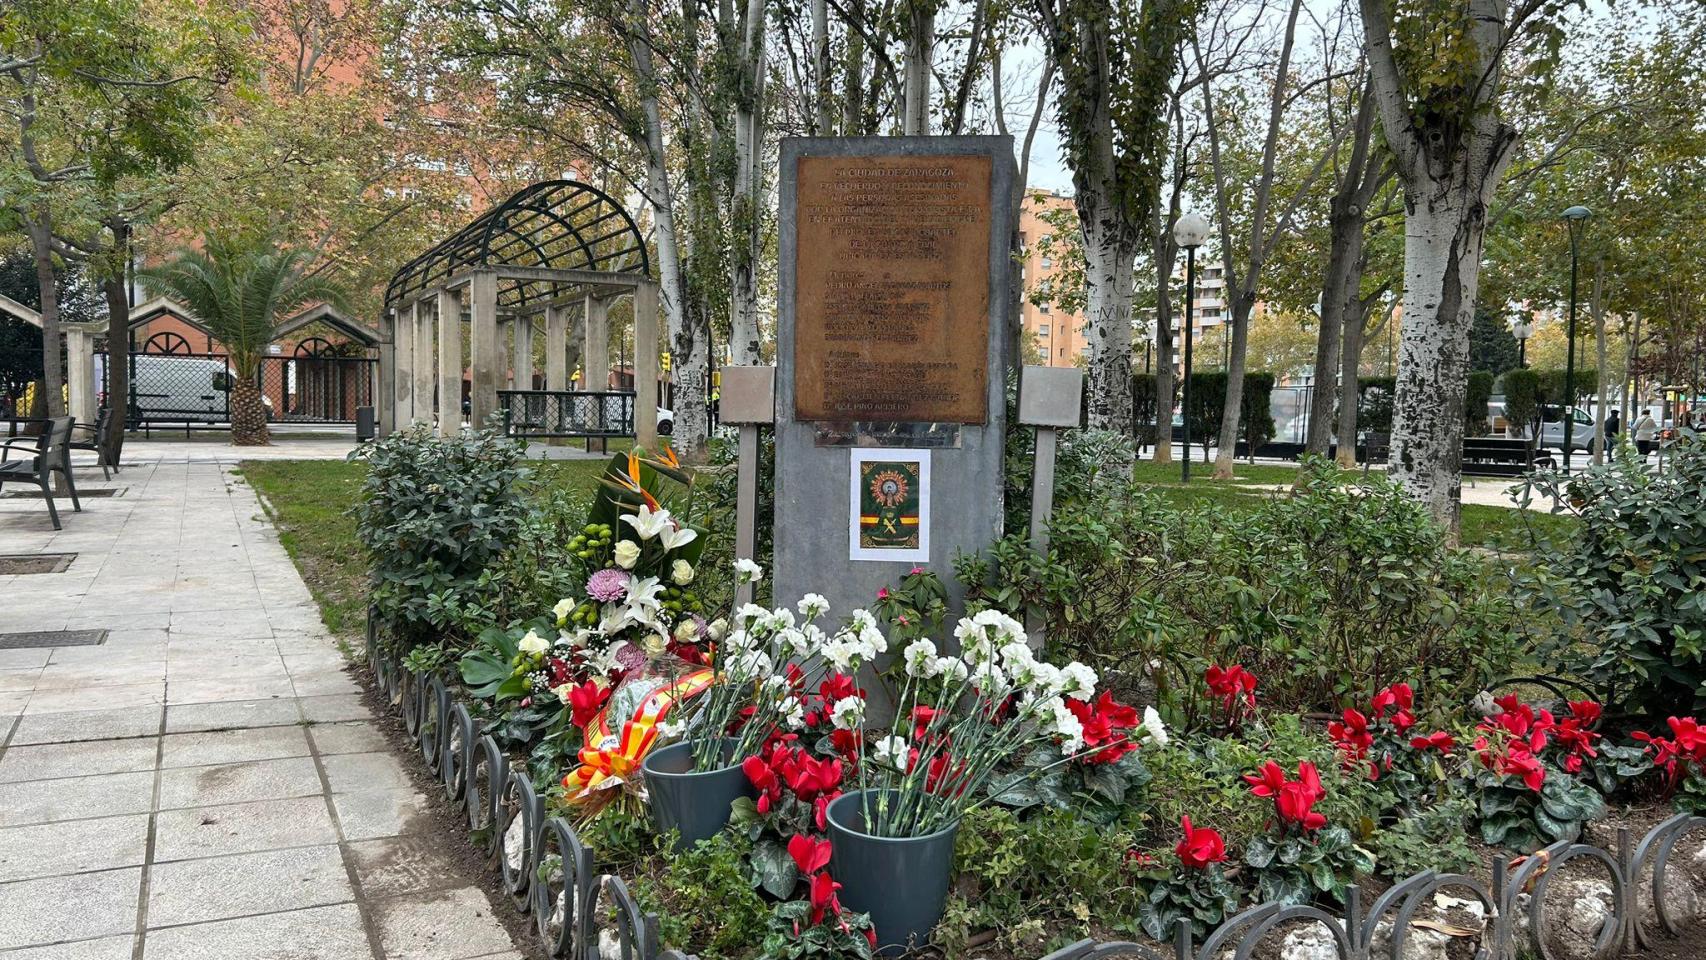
695 804
902 882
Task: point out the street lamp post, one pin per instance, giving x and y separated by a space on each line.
1190 231
1522 330
1574 216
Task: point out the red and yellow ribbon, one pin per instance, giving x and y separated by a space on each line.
604 767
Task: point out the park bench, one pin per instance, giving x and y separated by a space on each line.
94 437
52 452
1496 456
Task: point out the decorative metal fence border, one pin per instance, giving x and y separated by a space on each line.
579 915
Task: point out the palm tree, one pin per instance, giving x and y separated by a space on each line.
238 289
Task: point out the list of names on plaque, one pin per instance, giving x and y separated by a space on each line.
891 308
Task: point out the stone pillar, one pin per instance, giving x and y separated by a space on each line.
522 328
403 367
383 409
556 348
483 353
80 371
646 365
596 364
426 364
449 363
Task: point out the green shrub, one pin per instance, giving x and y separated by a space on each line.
1374 403
1038 881
704 899
1630 582
435 512
1475 410
1255 410
1331 592
1522 398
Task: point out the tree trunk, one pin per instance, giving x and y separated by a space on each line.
820 69
248 415
118 356
688 363
1109 263
746 215
1347 212
1232 413
1350 366
40 229
1442 262
1166 253
920 50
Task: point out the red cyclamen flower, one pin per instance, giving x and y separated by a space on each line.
1199 848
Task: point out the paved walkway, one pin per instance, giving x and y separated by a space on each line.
206 783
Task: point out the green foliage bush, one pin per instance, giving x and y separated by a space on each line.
704 898
1333 591
1522 397
1374 403
1475 410
1630 582
1038 881
435 513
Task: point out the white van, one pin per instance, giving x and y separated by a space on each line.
172 388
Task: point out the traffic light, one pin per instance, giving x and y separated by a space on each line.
663 361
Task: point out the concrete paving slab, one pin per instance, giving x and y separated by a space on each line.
323 933
78 725
241 828
238 783
444 925
74 846
47 801
49 761
232 714
232 746
56 909
219 888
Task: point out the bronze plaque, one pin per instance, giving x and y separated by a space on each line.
891 295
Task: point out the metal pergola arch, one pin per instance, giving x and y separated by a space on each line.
550 248
556 225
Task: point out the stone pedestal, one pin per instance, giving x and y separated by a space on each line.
892 309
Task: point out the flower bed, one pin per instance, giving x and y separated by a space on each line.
1019 802
1642 894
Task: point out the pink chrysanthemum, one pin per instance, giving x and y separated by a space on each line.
608 586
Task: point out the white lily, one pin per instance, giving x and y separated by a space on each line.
649 523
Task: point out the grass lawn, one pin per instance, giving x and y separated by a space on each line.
1486 526
309 500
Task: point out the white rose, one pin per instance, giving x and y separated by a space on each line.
627 554
681 572
561 610
685 631
533 643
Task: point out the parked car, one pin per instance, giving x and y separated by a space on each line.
1552 428
666 422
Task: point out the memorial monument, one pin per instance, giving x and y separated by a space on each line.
891 360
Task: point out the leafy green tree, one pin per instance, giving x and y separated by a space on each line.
1492 347
1117 59
240 290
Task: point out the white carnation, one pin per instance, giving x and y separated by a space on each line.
891 752
812 606
749 572
921 658
848 712
1153 728
1078 681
